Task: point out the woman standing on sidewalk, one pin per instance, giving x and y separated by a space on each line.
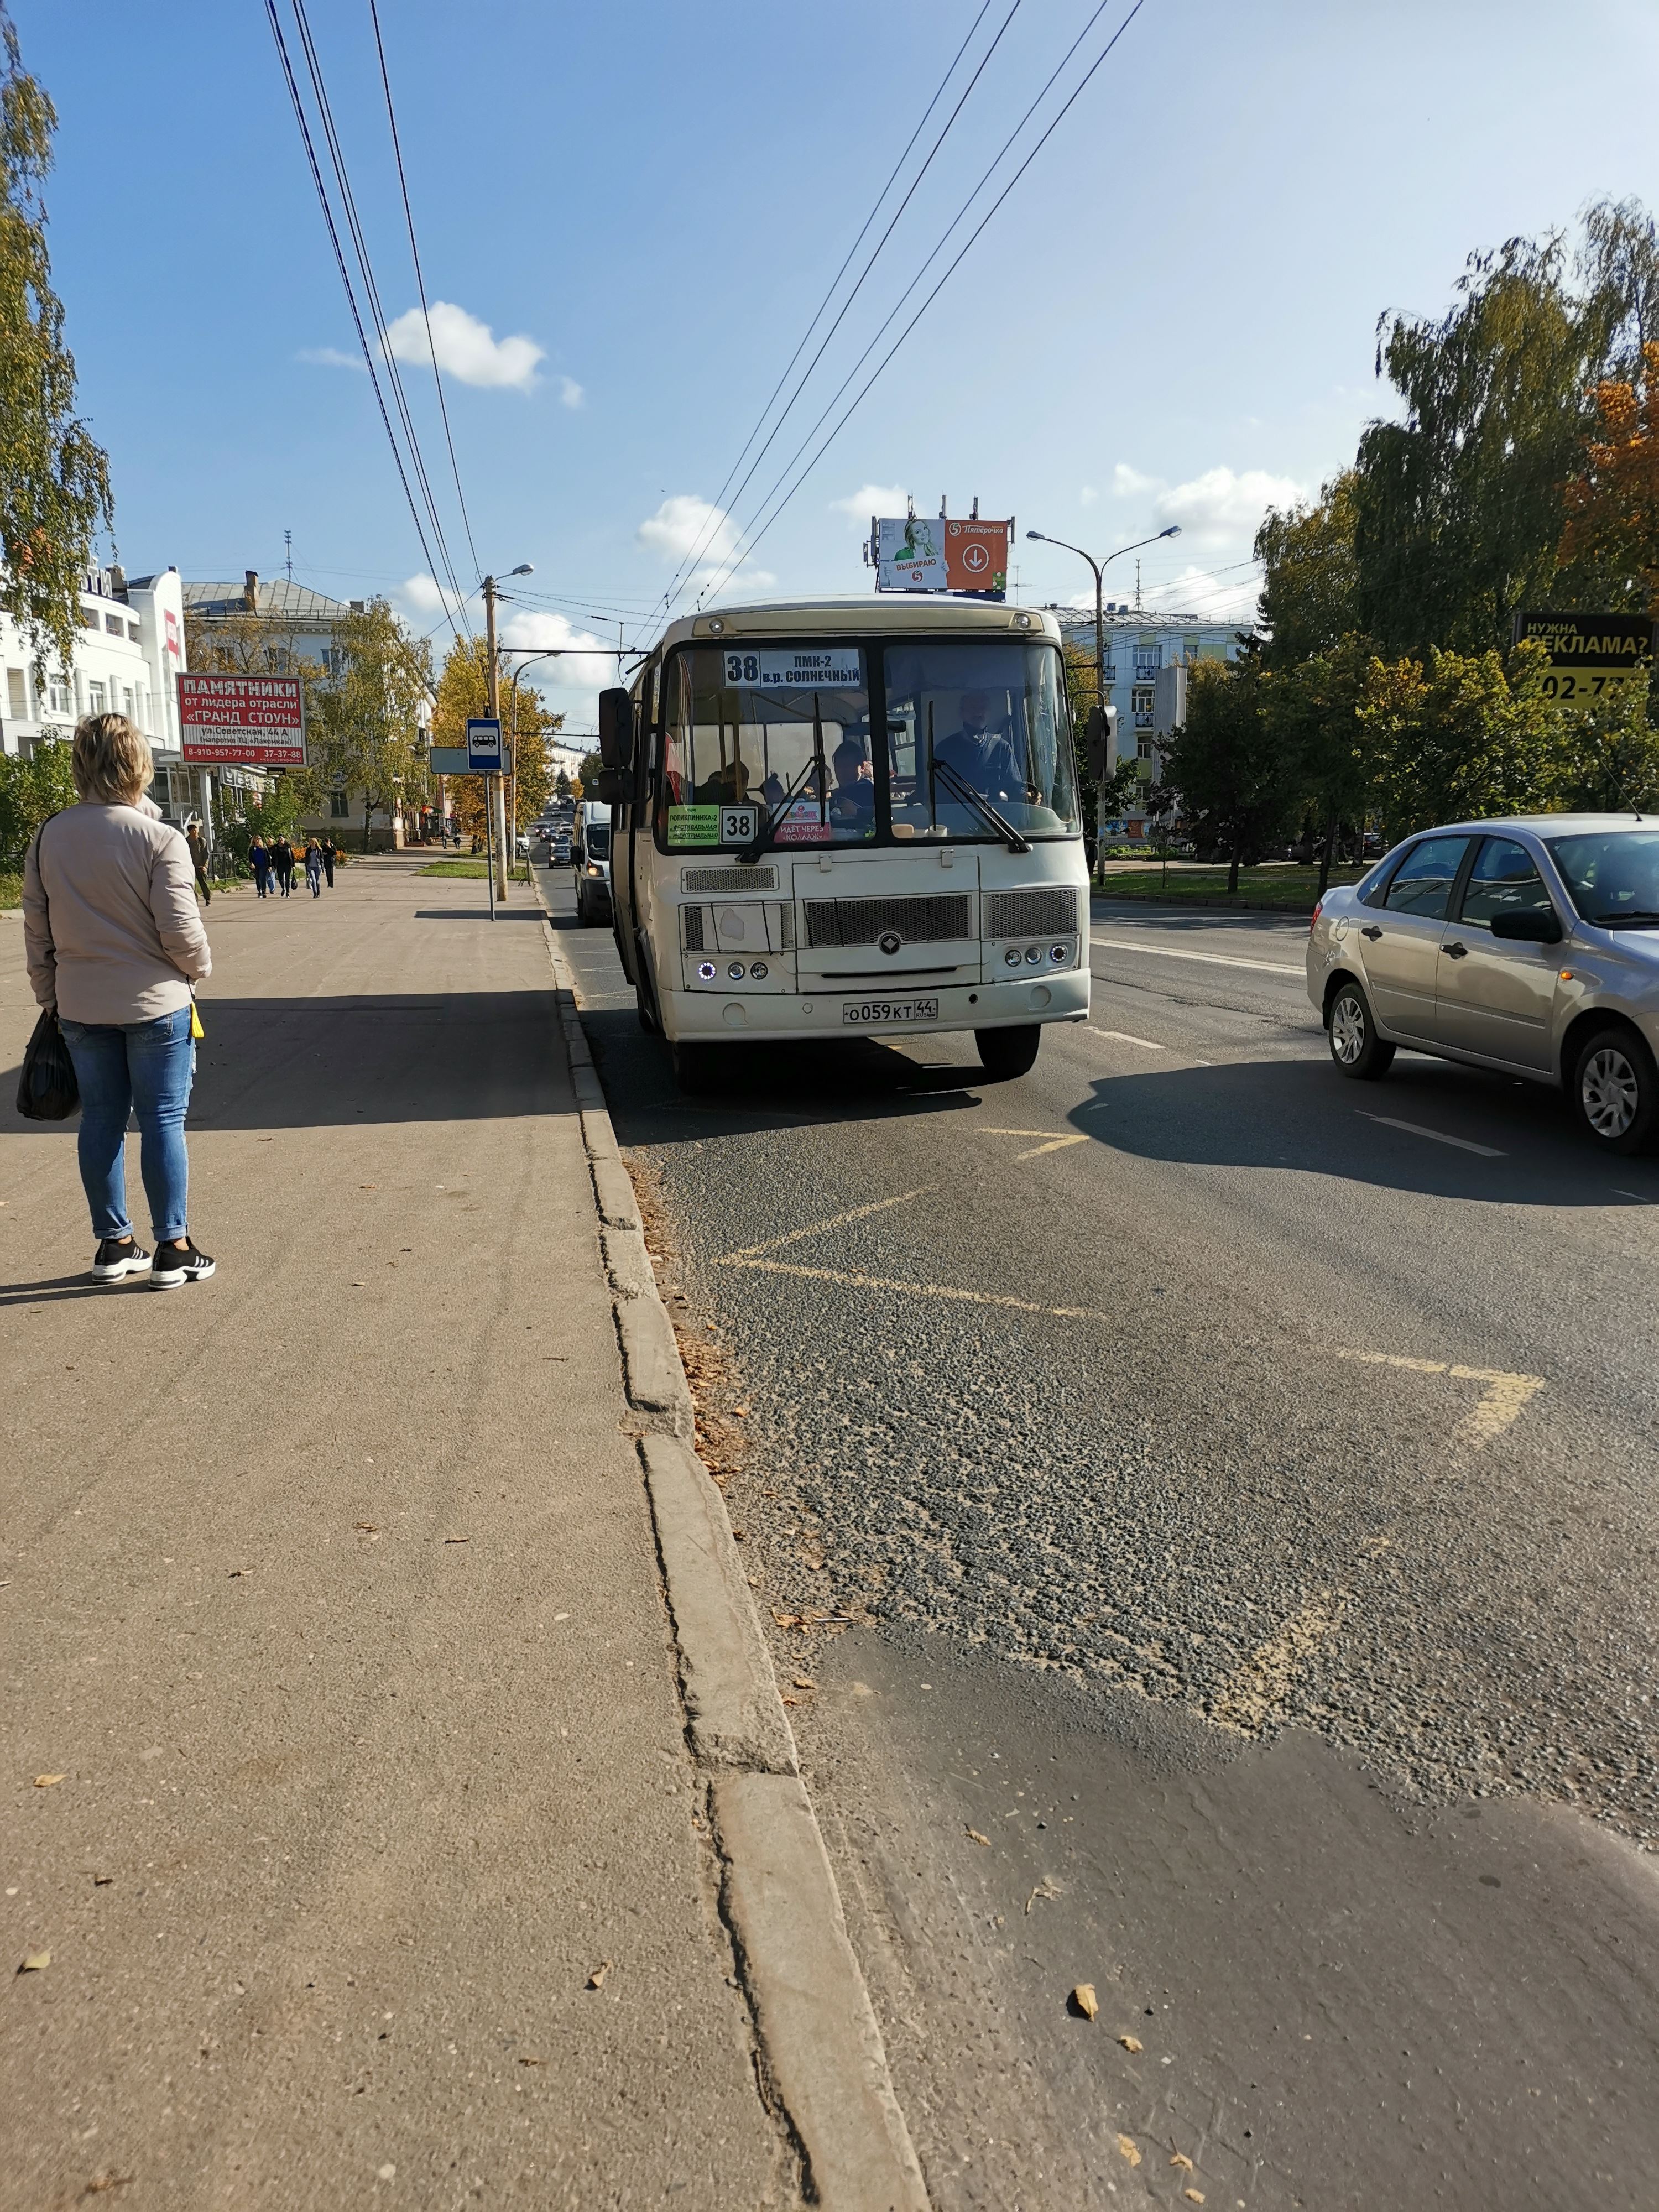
314 867
259 859
115 942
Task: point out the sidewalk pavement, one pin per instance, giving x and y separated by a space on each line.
345 1744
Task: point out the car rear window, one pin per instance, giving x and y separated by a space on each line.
1422 884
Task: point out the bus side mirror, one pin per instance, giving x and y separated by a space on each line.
609 787
1100 741
616 728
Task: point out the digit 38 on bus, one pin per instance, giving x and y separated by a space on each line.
836 818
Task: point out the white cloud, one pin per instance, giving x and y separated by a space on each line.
1129 484
1215 597
684 524
331 357
464 348
570 393
1221 506
570 685
723 586
422 595
872 499
1087 497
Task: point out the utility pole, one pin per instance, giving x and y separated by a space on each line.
497 796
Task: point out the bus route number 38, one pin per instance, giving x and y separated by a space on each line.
743 667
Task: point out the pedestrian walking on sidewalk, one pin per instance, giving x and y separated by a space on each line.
329 851
198 861
258 853
115 943
314 867
282 861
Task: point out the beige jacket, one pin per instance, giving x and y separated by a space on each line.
110 927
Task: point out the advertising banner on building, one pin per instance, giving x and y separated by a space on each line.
928 553
259 721
1588 652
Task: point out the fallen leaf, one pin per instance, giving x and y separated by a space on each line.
1181 2158
368 1529
49 1781
369 1186
978 1838
102 1880
532 2061
1132 2043
101 2182
596 1979
1193 2195
788 1700
35 1962
788 1619
236 1572
458 1540
803 1682
1084 1997
1129 2149
1048 1887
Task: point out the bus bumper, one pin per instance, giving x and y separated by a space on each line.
759 1017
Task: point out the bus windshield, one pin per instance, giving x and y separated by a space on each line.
745 727
989 713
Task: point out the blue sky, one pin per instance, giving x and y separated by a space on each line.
630 213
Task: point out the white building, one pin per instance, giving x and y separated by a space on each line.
131 648
1139 643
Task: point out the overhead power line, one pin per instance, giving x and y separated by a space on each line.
420 282
711 523
751 537
345 279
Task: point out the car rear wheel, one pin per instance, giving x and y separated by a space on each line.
1009 1052
1355 1046
1615 1091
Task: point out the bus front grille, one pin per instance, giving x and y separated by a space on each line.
1031 914
728 879
923 920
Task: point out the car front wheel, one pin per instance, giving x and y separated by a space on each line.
1355 1046
1615 1091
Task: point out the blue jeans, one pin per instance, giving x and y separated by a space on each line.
144 1067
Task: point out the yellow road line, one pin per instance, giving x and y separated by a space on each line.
838 1220
861 1282
1262 1685
1502 1401
1054 1145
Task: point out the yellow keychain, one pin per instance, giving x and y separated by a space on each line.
195 1028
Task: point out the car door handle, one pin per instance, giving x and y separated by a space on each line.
1457 951
1372 930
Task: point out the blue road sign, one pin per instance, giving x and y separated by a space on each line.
484 746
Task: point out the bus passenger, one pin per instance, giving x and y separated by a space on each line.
855 783
727 786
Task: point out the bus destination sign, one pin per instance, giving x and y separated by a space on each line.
258 722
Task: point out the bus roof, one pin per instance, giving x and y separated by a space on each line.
899 612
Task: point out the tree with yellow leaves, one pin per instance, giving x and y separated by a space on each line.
526 724
1611 540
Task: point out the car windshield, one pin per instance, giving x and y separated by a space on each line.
1612 876
990 714
748 728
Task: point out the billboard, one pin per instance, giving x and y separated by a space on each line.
1587 651
928 553
259 721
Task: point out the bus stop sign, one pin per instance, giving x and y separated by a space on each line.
484 746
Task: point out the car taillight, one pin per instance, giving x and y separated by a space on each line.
1313 919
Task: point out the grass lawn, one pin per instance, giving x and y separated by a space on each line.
477 871
1283 890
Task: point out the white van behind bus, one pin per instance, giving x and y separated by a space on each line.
593 861
841 817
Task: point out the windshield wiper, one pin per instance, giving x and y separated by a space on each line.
763 837
960 788
1624 914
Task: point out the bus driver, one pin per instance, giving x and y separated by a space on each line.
981 756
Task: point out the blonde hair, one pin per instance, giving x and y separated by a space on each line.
111 761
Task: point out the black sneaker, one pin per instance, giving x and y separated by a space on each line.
171 1268
112 1260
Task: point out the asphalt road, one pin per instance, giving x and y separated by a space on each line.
1247 1477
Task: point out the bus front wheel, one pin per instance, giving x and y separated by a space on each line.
1009 1052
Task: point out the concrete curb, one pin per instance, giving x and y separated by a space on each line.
821 2047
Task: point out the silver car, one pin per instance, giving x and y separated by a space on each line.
1529 945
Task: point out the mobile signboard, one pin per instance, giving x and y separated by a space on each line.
258 722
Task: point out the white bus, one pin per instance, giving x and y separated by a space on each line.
847 818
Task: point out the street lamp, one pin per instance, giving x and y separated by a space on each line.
1099 568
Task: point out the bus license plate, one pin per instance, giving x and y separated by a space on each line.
883 1013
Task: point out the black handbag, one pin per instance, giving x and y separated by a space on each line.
47 1090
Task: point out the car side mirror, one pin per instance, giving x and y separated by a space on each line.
616 728
1528 928
609 787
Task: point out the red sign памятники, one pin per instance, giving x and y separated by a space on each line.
258 720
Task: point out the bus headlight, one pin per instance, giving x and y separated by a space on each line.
756 970
705 970
1059 952
1033 957
1012 956
735 971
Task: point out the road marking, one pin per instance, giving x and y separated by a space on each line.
1123 1036
1502 1401
1263 1684
751 1252
858 1282
1439 1136
1054 1145
1211 959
